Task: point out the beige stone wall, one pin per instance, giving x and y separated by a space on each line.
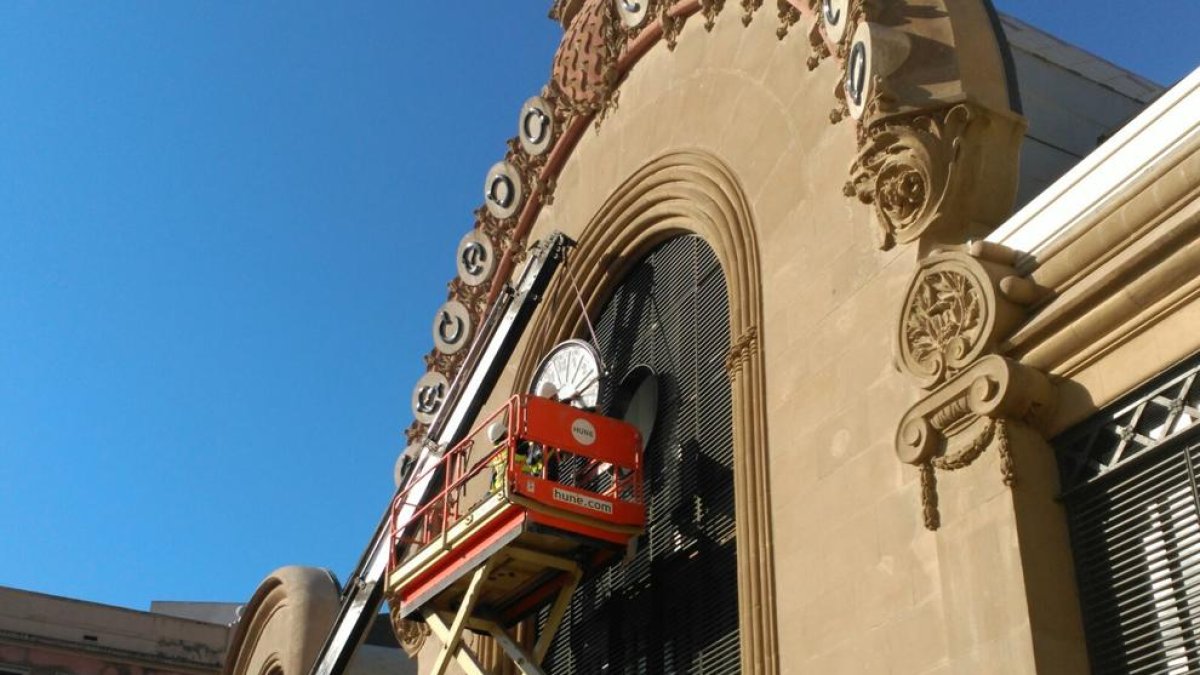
861 585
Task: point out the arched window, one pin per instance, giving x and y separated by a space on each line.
673 606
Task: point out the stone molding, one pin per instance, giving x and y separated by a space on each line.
283 627
958 308
691 192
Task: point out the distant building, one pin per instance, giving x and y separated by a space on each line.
48 635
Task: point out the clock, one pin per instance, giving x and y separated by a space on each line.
573 368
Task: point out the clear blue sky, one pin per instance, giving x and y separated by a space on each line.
224 229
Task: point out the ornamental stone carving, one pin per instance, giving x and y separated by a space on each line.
925 119
958 308
672 24
955 312
411 634
749 7
585 69
789 15
710 9
910 170
564 11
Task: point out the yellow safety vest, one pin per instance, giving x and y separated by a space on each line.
532 468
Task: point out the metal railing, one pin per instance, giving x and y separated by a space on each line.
531 449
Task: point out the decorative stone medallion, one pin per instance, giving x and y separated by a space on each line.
947 315
535 128
451 327
632 12
428 396
476 259
502 191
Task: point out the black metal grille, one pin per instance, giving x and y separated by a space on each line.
1132 497
673 607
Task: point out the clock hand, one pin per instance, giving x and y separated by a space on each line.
579 390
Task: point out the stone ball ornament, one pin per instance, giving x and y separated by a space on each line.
475 258
428 396
451 327
535 128
502 190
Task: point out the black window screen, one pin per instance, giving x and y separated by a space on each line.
1130 480
673 607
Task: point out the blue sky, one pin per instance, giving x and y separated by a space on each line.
224 230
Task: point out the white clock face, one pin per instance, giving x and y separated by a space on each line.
573 367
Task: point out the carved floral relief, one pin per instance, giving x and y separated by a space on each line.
959 306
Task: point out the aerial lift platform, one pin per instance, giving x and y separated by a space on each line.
518 520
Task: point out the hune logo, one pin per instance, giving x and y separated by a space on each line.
583 431
568 497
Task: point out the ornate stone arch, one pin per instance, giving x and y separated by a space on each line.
284 625
691 192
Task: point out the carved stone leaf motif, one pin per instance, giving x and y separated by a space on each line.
944 321
415 431
788 17
907 169
671 25
946 318
710 9
819 49
749 7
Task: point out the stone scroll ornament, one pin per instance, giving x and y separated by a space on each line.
909 172
411 634
959 307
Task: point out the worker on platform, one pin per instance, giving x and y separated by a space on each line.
530 456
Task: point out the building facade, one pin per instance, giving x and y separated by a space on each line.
48 635
894 341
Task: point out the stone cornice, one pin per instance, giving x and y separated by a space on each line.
1132 161
1117 242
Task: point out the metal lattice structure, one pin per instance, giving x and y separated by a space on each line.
673 607
1133 502
1113 439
